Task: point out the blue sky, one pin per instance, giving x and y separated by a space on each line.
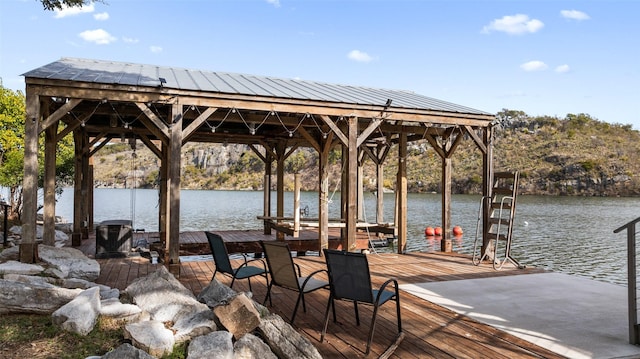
543 57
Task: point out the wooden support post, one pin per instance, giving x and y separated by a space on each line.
85 186
361 214
90 196
487 183
163 213
27 252
401 194
266 209
296 205
445 243
280 153
76 235
49 235
380 192
352 171
323 195
175 147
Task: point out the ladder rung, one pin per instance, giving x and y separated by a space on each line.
496 220
497 205
501 237
504 175
503 190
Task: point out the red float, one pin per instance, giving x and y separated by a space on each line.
437 231
429 231
457 231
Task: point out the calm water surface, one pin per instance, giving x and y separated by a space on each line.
572 235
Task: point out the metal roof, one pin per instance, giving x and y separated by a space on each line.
131 74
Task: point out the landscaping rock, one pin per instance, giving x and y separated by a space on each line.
127 351
15 267
10 254
193 321
216 293
17 297
160 294
113 308
239 316
217 345
285 341
31 279
80 314
70 260
252 347
151 336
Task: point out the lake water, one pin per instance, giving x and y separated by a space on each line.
572 235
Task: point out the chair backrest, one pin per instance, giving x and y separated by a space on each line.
283 272
219 252
349 275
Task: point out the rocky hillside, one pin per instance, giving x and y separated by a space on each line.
575 155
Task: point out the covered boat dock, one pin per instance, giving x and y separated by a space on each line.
99 101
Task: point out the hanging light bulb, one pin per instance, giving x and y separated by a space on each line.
82 123
233 110
126 125
213 129
324 135
290 133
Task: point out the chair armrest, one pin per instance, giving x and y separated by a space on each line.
297 268
384 286
304 284
246 263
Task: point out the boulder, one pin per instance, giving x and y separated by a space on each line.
239 316
15 267
9 254
17 297
216 293
80 314
285 341
252 347
217 345
151 336
193 321
31 279
127 351
160 294
70 260
113 308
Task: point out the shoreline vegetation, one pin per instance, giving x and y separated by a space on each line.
572 156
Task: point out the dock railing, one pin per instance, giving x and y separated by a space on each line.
631 278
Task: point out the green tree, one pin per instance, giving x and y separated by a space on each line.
12 116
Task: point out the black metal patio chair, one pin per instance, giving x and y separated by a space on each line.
350 280
285 273
223 264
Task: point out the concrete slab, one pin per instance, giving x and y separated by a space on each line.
572 316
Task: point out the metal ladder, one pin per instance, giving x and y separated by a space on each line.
500 227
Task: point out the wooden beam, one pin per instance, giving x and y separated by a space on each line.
155 120
369 130
476 139
100 145
175 147
150 145
352 188
49 235
59 113
312 141
193 126
336 130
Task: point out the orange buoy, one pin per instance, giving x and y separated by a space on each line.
437 231
428 231
457 231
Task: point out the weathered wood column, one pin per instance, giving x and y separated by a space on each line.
79 146
280 158
30 181
401 193
175 147
49 235
352 185
487 184
445 242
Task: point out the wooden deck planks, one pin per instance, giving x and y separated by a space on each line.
431 331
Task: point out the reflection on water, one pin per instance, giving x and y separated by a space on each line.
566 234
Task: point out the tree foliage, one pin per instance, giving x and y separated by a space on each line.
12 116
59 4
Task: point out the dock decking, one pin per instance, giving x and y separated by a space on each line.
431 331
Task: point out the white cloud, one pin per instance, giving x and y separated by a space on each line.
534 66
155 49
359 56
563 68
72 11
574 15
275 3
130 40
101 16
99 37
514 25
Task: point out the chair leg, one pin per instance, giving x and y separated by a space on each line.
268 296
326 317
398 311
355 308
249 280
232 281
372 328
295 309
214 273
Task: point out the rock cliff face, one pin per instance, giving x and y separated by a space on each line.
572 156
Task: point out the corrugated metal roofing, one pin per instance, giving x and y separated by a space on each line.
121 73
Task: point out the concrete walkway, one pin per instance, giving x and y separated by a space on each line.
569 315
